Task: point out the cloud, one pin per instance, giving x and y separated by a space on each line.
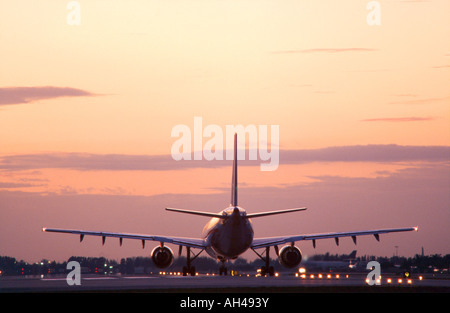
325 50
367 153
420 101
8 185
121 162
399 119
405 95
19 95
409 197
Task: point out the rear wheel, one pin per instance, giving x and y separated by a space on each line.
223 270
267 271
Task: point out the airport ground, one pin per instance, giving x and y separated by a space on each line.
202 283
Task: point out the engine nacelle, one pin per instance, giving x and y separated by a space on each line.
290 256
162 257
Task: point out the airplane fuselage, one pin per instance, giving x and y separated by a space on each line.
227 238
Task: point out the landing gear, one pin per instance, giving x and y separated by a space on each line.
223 270
267 269
188 269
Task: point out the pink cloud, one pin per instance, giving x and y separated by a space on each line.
18 95
326 50
399 119
119 162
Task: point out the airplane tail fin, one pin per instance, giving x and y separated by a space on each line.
234 198
352 255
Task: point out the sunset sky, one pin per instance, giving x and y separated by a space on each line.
86 114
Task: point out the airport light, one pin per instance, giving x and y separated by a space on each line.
409 281
329 276
320 276
389 280
400 281
312 276
420 277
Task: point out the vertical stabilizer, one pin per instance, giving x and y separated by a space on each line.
234 200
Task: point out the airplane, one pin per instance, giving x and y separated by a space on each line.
345 262
228 234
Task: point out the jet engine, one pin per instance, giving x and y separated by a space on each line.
162 257
290 256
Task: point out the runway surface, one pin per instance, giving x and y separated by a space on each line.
203 283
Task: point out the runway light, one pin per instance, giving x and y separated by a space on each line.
296 274
329 276
409 281
420 277
302 270
337 276
276 274
312 276
320 275
367 280
400 280
389 280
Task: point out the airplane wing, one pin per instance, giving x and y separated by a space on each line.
274 241
180 241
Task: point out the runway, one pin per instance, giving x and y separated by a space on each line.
219 284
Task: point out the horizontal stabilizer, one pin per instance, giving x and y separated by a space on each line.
274 212
197 213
